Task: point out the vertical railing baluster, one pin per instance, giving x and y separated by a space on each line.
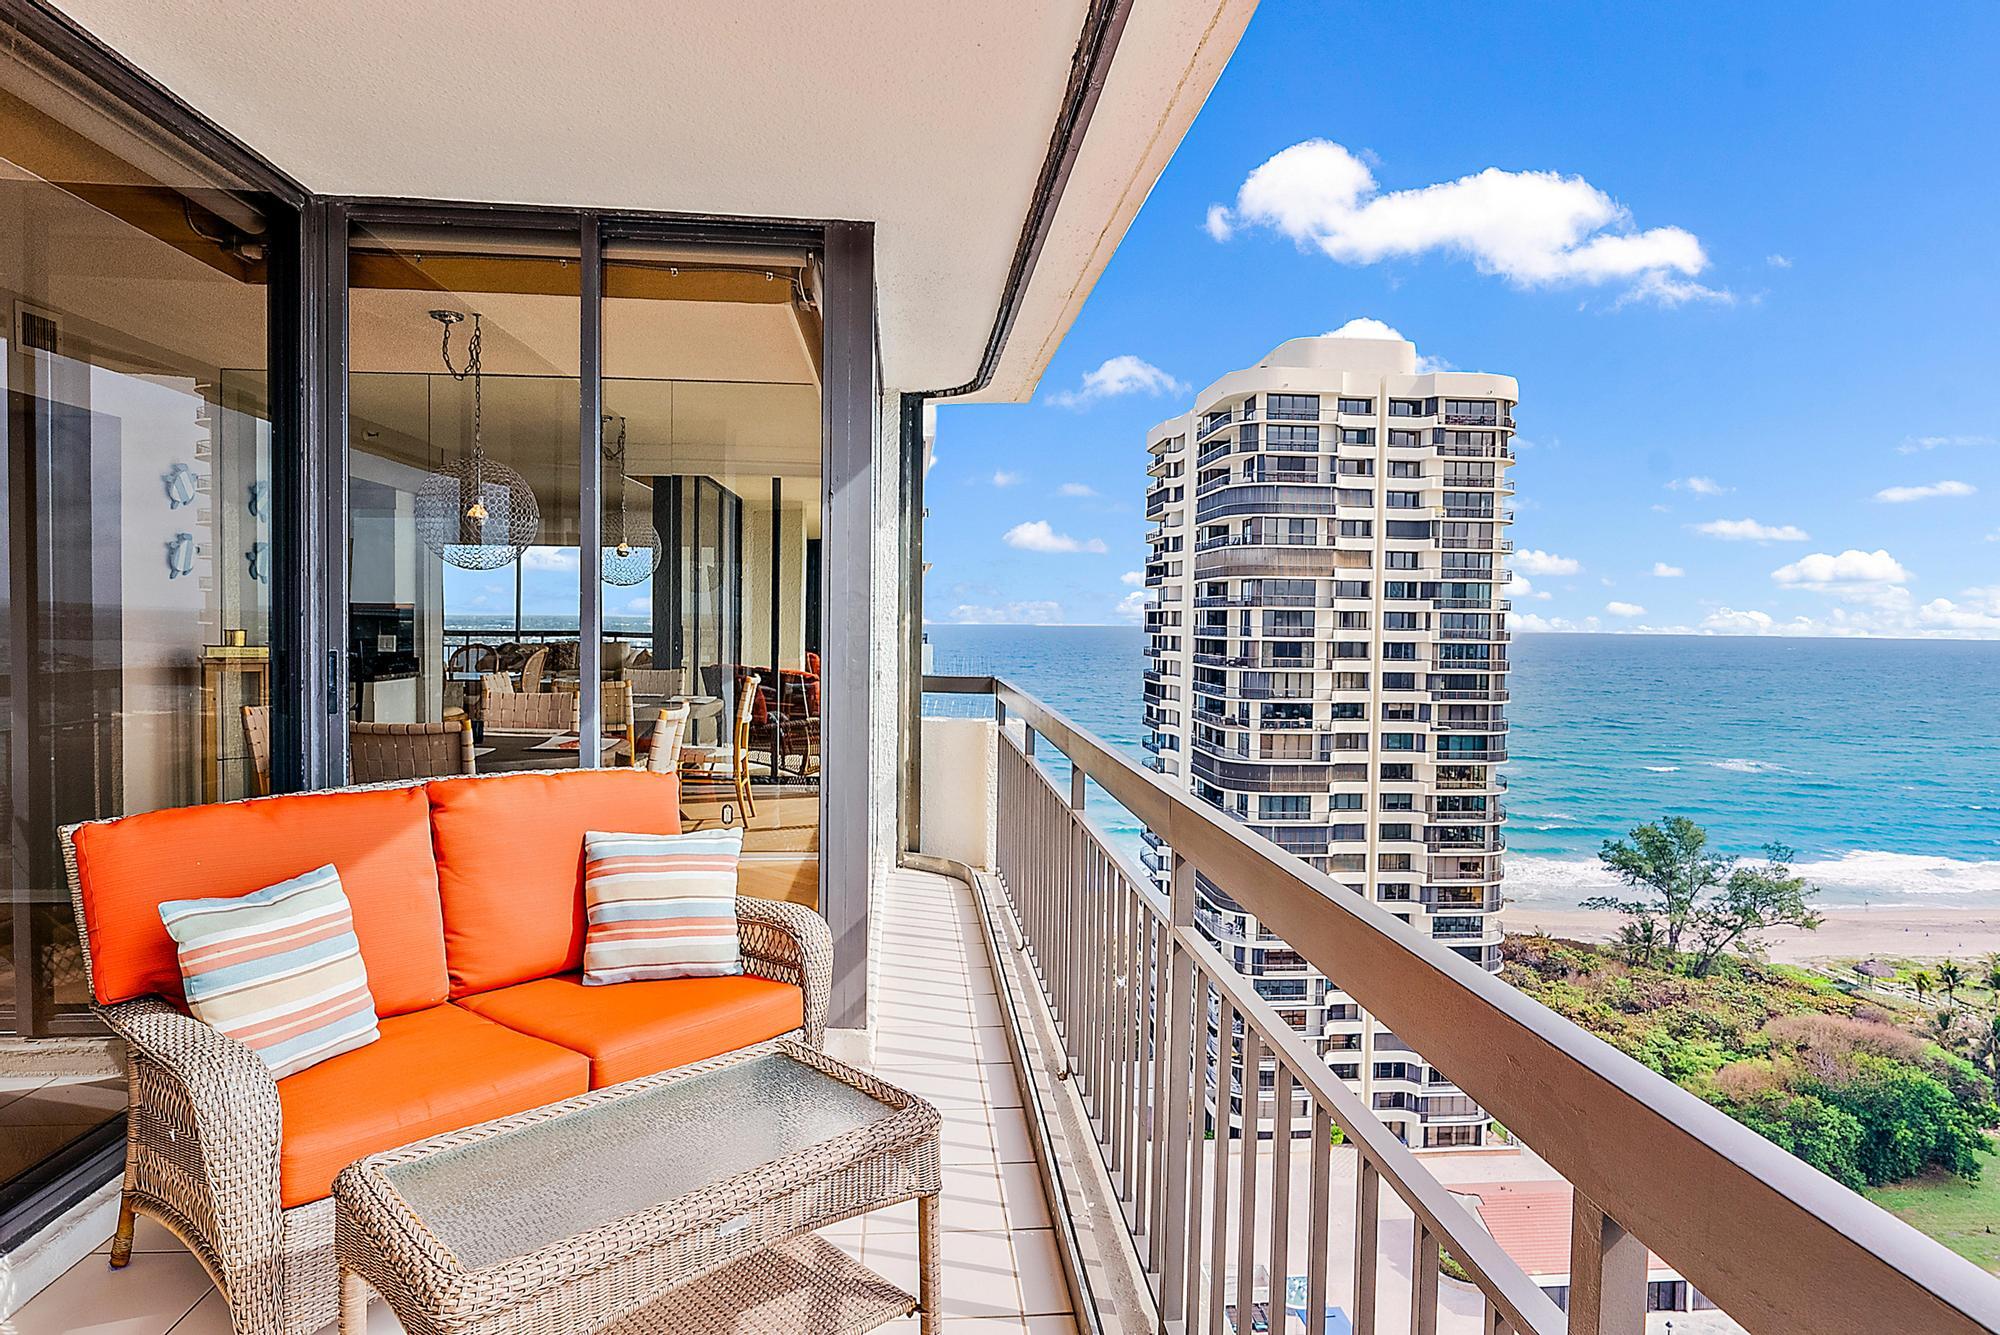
1423 1280
1218 1241
1607 1273
1157 1132
1246 1192
1281 1189
1195 1115
1367 1239
1317 1206
1178 1037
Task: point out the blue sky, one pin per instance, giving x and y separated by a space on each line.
1740 259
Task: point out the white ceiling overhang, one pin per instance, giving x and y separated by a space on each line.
930 120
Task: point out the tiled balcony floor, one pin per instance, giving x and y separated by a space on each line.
937 1033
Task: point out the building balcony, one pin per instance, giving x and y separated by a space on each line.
1491 695
1469 724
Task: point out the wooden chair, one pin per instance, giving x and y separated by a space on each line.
619 714
669 733
380 752
655 681
257 732
713 774
473 658
533 672
522 711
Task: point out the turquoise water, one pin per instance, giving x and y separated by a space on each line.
1873 758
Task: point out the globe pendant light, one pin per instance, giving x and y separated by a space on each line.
474 512
631 543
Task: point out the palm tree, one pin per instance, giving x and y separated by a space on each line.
1923 983
1952 975
1944 1028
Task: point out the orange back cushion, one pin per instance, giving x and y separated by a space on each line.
510 864
379 842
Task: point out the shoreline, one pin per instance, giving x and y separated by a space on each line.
1851 931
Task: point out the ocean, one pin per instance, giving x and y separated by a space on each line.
1872 758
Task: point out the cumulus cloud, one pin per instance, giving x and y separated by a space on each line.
1362 326
1918 444
1042 613
1924 492
1979 611
1003 478
1749 530
1532 228
1533 622
1035 535
1852 571
1132 607
1700 486
1618 609
1117 377
1537 562
1661 570
562 560
1132 579
1076 489
1778 261
1519 586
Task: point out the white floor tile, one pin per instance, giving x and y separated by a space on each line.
90 1298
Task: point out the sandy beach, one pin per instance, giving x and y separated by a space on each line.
1848 932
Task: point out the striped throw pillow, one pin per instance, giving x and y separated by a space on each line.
660 905
278 970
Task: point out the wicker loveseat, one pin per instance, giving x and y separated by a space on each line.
467 900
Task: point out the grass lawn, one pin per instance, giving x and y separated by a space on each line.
1964 1216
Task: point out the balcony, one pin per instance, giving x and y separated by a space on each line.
1773 1243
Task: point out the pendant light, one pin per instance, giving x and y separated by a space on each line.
474 512
631 543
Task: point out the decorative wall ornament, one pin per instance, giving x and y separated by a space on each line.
474 512
180 555
631 543
259 557
259 500
180 484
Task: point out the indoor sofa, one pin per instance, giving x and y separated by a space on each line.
467 901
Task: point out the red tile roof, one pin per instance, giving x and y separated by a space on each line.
1531 1222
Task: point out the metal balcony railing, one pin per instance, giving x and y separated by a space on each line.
1139 996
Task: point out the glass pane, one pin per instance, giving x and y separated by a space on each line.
712 458
134 510
569 1174
462 501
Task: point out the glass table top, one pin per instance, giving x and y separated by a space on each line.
511 1194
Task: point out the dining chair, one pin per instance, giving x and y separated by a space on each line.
257 733
532 671
709 774
669 733
382 752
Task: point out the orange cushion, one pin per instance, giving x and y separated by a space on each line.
431 1071
510 864
633 1029
379 842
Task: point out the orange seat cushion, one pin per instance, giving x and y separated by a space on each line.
431 1071
510 864
633 1029
379 842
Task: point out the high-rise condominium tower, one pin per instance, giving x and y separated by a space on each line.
1328 663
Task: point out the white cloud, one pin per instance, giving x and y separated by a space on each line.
1036 536
1119 376
1132 607
1532 622
1008 614
1749 530
1619 609
1363 326
1729 621
1778 261
1427 365
1003 478
1853 572
1661 570
1537 562
1925 492
1076 489
1700 486
1918 444
1132 579
1533 228
562 560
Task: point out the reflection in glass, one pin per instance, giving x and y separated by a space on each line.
712 396
463 467
135 527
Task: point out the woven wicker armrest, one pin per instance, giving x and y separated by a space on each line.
792 944
204 1137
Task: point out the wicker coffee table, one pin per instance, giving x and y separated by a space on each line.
682 1202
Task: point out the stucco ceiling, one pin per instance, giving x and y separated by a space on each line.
931 120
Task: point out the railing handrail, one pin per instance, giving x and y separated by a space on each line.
1776 1243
